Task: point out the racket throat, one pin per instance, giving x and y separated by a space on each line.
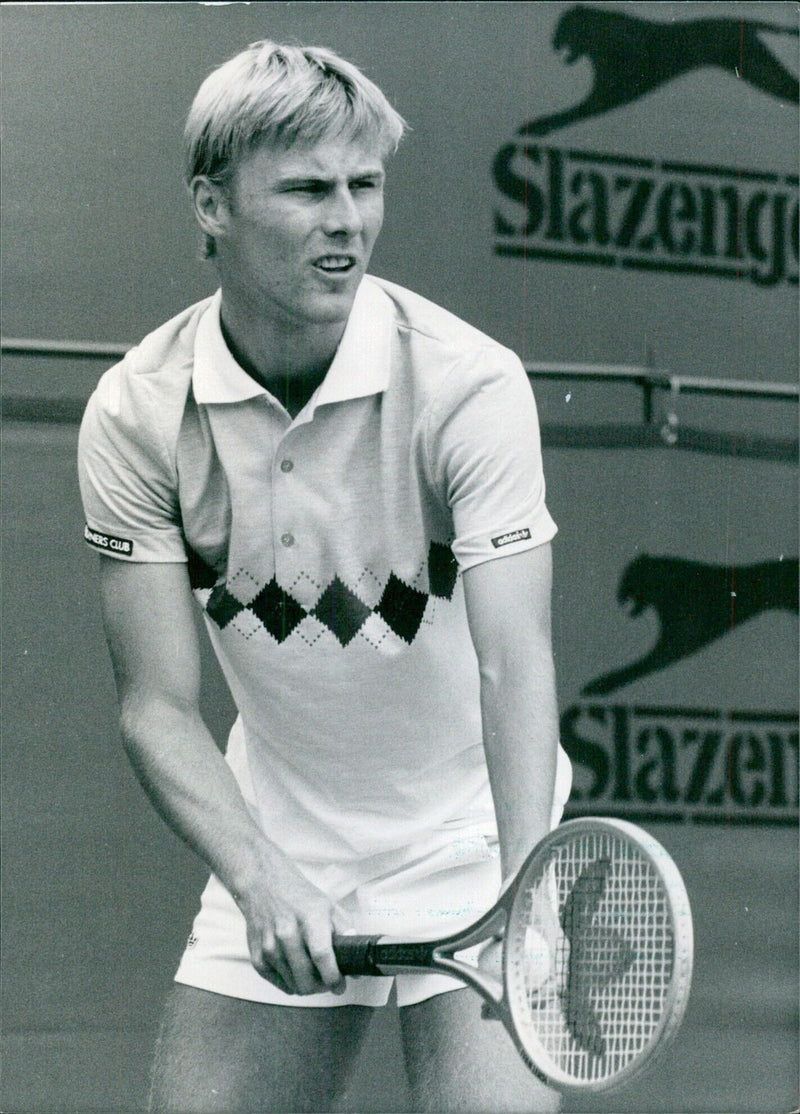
486 979
486 984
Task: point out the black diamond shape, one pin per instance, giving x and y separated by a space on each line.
402 608
279 613
222 606
341 611
442 570
201 574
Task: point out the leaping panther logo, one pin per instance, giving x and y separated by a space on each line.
631 57
695 604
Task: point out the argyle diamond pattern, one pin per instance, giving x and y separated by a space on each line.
201 575
401 605
222 606
341 611
402 608
276 609
442 570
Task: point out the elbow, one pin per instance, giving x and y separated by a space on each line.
491 674
517 665
143 721
500 674
133 725
148 725
148 717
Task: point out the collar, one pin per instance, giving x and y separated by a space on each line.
359 368
216 376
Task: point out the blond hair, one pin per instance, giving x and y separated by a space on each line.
282 95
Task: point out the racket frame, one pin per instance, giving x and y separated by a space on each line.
677 994
380 955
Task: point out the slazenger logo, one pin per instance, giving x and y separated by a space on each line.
511 536
695 604
664 763
585 207
709 766
602 209
108 542
631 57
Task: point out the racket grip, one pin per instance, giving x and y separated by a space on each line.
355 955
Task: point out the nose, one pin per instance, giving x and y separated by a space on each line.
342 214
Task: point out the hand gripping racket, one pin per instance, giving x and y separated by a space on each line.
597 952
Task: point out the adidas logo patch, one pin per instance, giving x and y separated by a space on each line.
512 536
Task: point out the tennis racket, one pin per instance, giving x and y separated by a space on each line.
586 958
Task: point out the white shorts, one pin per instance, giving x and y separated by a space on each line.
422 892
425 891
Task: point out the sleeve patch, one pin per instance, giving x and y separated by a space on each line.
512 536
108 542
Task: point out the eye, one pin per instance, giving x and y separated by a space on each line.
310 188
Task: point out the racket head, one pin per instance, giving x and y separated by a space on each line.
613 907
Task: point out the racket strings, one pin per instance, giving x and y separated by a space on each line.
613 958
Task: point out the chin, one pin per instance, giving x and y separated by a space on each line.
331 309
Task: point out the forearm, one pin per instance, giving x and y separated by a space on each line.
520 734
157 669
508 607
193 789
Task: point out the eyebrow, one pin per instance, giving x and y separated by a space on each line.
318 179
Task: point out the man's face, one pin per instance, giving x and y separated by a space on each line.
301 225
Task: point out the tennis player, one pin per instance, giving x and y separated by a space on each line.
347 480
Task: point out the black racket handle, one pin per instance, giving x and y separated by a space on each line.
355 955
375 955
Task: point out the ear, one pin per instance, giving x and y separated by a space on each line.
211 207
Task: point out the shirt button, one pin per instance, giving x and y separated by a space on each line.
287 465
287 540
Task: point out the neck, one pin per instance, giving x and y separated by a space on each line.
289 361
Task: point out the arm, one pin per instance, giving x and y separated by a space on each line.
150 627
508 607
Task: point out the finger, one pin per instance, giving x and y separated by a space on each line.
272 976
267 958
278 981
303 973
319 941
343 925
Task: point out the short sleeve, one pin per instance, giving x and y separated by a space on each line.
485 459
127 481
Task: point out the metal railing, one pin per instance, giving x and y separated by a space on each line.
66 349
648 379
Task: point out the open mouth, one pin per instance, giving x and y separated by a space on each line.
335 264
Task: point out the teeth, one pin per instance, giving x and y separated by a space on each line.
334 262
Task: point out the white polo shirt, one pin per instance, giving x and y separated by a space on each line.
325 553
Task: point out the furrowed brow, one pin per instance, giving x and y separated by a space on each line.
307 180
375 174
